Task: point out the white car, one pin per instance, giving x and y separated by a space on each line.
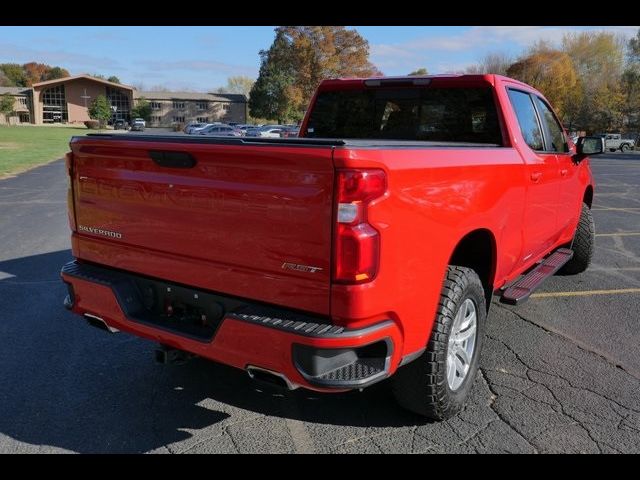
270 131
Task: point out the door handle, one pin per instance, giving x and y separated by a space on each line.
536 176
564 172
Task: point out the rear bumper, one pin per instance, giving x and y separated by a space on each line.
306 351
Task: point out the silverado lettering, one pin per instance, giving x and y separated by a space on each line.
369 248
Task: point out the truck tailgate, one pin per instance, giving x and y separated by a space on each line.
247 219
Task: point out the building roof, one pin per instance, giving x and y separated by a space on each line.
211 97
87 77
14 90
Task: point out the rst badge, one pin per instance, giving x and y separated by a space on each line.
300 268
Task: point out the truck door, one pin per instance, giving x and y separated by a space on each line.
539 225
569 191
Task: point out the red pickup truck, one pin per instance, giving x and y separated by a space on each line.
371 246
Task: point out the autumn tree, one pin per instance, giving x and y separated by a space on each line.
298 60
552 72
599 61
418 72
239 84
631 84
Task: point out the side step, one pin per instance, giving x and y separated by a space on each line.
519 291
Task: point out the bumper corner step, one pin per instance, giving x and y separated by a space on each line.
520 291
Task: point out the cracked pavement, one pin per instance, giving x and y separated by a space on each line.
558 374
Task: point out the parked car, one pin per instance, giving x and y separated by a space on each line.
120 124
289 132
192 127
269 131
138 125
615 141
371 248
220 131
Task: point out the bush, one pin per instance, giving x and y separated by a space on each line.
92 124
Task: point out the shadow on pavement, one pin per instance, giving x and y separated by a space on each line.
67 385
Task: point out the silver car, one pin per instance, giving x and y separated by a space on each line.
220 131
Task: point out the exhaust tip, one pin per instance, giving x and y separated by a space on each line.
270 377
98 322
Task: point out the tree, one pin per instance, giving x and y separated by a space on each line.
142 109
57 72
239 84
267 98
6 105
113 79
296 62
634 48
418 72
100 110
599 61
497 63
15 74
4 80
35 72
552 72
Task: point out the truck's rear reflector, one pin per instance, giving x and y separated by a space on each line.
357 243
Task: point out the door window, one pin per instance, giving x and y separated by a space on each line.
527 119
556 133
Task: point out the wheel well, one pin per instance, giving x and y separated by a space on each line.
588 196
477 250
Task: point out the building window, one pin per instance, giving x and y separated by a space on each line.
22 101
156 118
156 106
119 101
24 118
202 119
54 105
225 107
178 119
178 106
202 105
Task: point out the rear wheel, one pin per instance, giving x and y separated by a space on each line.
583 244
624 147
437 384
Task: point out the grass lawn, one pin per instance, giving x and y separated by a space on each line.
22 148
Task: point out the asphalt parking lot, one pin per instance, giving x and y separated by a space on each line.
559 374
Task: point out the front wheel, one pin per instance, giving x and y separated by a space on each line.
624 148
583 244
437 384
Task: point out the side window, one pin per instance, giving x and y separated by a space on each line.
527 119
558 140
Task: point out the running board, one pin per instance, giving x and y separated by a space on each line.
519 291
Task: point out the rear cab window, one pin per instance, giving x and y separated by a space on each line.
437 114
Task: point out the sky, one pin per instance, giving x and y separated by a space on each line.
201 58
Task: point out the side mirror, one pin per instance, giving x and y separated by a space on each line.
589 146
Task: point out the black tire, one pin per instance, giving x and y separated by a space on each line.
421 386
583 244
612 149
624 148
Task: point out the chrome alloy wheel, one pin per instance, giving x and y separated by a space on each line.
462 343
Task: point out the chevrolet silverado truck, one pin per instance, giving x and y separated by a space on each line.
369 247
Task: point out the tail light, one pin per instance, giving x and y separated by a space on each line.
71 207
357 244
